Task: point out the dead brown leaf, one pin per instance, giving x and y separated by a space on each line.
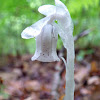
62 97
32 86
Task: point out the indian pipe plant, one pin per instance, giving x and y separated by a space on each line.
45 31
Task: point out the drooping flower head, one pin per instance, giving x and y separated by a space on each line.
46 31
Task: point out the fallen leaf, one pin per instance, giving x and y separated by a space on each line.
62 97
7 76
81 75
85 91
95 80
94 66
32 86
33 96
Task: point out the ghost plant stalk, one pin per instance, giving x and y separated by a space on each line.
46 33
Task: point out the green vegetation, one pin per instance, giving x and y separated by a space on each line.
2 93
15 15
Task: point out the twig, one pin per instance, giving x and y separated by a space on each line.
82 34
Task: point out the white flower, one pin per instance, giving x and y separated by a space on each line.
46 31
46 43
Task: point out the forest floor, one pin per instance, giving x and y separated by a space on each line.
22 79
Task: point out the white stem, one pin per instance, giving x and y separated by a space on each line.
70 85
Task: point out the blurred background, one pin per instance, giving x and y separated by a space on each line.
17 82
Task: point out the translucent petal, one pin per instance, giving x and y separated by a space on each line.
29 33
65 31
47 9
60 4
45 45
54 44
38 47
65 27
61 33
35 29
64 19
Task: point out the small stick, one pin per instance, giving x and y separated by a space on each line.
82 34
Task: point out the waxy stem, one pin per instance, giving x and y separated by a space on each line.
70 84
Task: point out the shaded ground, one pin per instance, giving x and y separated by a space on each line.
22 79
